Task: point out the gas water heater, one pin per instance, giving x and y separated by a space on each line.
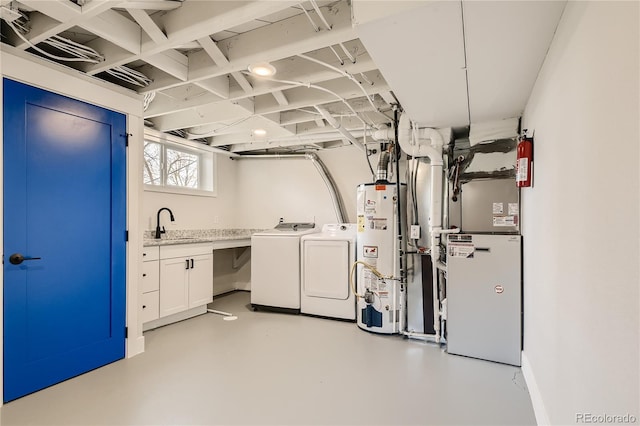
381 302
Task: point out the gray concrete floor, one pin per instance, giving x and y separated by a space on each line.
277 369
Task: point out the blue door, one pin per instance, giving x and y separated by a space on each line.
64 238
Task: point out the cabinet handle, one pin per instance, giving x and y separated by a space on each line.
187 264
144 306
191 263
144 275
144 254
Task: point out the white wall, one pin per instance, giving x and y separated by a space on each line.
580 220
292 189
197 212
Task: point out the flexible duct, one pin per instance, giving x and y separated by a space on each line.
382 172
334 193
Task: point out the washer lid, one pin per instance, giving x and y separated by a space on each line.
286 232
293 226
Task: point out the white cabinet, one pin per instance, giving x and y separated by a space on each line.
150 283
186 277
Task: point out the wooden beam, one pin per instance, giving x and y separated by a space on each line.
242 82
148 25
194 20
280 98
298 98
297 70
56 17
171 62
219 86
270 43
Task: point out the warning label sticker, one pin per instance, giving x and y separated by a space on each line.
378 223
360 223
513 209
504 221
461 249
370 251
498 208
370 206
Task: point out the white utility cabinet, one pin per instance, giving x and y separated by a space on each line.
186 277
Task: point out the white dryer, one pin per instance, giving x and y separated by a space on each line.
326 263
275 267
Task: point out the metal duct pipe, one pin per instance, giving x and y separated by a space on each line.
334 193
338 204
382 171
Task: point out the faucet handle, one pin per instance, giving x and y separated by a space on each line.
163 231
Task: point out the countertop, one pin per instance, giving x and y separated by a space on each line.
192 236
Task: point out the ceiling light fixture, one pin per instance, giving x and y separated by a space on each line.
262 69
259 132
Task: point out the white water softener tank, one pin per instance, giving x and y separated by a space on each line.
381 309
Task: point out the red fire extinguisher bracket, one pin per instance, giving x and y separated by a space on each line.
524 162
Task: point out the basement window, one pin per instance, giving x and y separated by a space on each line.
178 166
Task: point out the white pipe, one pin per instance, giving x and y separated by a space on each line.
421 336
428 143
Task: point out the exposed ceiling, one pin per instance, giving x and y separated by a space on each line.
190 60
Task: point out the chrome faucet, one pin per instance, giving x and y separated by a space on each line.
159 231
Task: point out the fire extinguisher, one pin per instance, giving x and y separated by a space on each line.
524 161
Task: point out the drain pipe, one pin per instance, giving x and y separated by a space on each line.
334 193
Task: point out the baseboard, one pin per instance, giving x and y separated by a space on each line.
542 419
136 348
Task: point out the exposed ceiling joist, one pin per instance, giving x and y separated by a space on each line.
194 20
297 70
270 43
147 24
63 17
298 98
280 98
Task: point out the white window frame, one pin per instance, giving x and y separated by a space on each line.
207 167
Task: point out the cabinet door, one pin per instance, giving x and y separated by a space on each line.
150 310
150 276
174 288
201 280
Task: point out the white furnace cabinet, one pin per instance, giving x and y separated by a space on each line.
484 297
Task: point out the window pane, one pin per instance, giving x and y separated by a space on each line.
182 168
152 159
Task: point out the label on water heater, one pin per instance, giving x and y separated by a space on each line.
370 251
360 223
378 223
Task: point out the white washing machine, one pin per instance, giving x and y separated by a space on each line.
275 267
326 263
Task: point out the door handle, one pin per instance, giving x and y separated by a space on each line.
17 258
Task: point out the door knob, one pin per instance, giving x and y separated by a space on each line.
17 258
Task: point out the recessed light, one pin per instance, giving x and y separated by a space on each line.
262 69
259 132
